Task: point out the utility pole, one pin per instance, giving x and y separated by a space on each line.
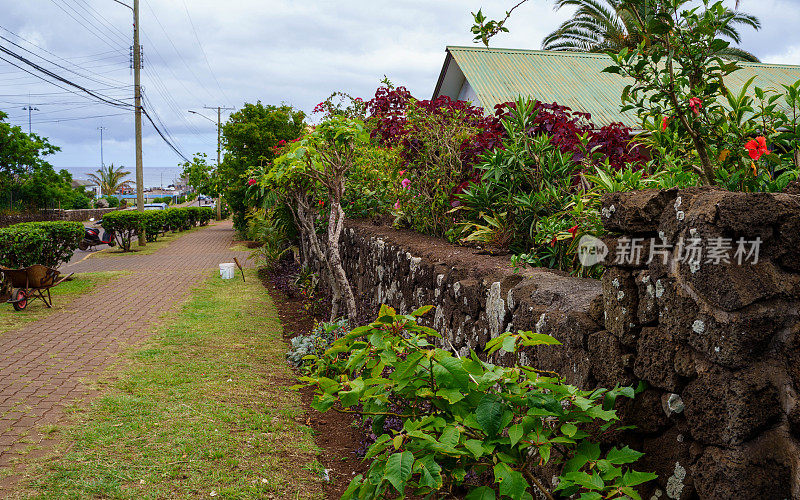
137 96
219 151
219 144
101 128
29 108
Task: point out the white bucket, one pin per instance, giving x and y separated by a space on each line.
227 270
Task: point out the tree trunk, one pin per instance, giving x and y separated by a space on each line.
335 226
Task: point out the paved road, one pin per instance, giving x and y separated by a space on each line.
45 365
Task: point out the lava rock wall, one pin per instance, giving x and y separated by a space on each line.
716 343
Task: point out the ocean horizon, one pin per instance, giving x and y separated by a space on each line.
153 176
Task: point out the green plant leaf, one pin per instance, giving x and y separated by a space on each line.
482 493
512 483
489 414
515 433
633 478
398 470
448 372
623 456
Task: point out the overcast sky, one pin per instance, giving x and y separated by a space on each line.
249 50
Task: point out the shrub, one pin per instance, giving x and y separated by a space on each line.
177 219
153 222
113 201
46 243
193 216
205 215
468 424
316 342
126 225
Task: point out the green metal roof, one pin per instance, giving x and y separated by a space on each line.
573 79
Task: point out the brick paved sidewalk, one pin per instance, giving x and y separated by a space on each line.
45 365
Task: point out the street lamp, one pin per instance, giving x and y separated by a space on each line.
218 123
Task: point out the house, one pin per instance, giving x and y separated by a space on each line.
489 76
90 186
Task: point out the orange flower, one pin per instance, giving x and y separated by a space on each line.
757 147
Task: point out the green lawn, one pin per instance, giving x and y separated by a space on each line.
62 295
204 409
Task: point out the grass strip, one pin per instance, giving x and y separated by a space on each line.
203 409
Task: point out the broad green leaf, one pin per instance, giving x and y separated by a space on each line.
515 433
633 478
451 395
569 429
448 371
512 483
489 414
422 310
352 487
509 344
398 470
430 472
475 447
482 493
623 456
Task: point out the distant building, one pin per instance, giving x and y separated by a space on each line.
89 186
488 77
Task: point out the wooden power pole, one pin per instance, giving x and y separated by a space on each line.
219 150
137 96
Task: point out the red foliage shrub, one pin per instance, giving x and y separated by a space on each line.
564 126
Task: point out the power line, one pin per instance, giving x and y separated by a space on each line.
203 51
49 73
106 40
58 65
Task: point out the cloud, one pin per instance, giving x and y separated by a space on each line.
269 50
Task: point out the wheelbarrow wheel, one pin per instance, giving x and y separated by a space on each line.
20 300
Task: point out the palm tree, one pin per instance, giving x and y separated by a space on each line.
603 25
110 179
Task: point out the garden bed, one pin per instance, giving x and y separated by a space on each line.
337 435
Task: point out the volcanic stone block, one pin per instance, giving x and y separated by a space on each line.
746 473
636 211
620 298
611 364
655 359
725 408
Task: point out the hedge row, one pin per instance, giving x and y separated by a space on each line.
47 243
127 225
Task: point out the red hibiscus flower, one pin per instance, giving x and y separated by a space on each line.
664 123
573 230
757 147
251 182
281 143
696 104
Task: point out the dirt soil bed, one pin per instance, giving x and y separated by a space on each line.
337 435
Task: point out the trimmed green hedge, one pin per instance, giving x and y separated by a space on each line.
46 243
206 214
177 219
153 223
126 225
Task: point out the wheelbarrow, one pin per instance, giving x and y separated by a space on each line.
27 284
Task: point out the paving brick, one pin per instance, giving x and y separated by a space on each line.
45 364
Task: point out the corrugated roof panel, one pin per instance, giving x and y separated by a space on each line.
576 79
